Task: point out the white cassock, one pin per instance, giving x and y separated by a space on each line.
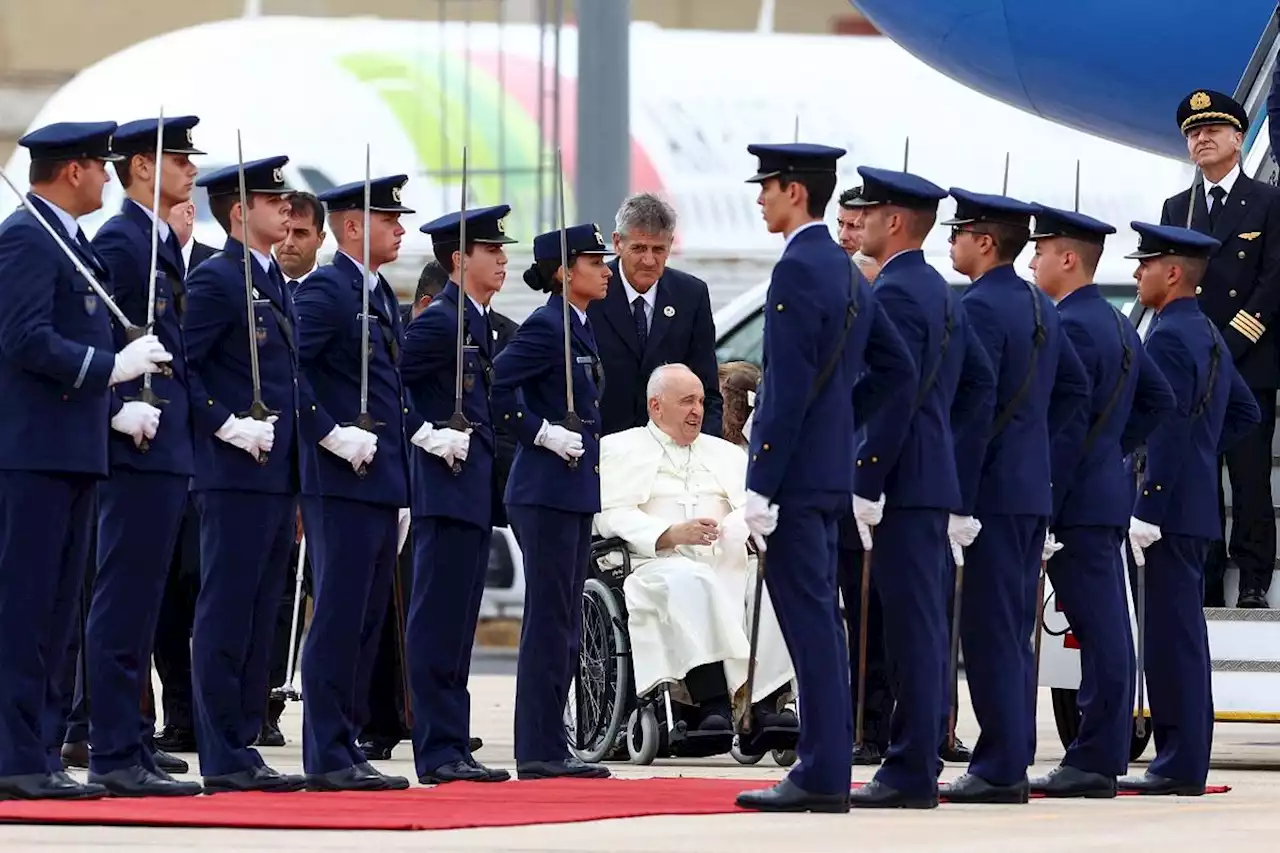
689 605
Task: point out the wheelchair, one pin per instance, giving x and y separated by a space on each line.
603 718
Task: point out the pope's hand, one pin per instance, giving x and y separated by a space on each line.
699 531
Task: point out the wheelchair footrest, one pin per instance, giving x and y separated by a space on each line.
760 741
700 744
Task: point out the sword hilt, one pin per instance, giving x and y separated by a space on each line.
365 422
132 333
151 398
259 412
573 423
459 422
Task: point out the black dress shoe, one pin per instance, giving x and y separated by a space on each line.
788 797
958 754
375 750
867 755
270 735
175 739
1252 599
559 769
360 777
76 754
255 779
877 795
169 763
48 786
463 771
970 788
138 781
475 744
1067 781
1153 785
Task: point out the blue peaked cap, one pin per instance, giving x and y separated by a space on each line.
583 239
139 137
901 189
979 207
260 176
1157 240
1055 222
384 195
793 158
484 225
72 140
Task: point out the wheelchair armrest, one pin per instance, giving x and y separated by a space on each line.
613 543
611 575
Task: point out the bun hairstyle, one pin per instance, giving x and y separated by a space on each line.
541 276
739 381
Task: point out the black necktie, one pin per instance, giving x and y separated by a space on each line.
1219 195
642 323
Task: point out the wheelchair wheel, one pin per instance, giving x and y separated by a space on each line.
643 737
601 690
784 757
743 759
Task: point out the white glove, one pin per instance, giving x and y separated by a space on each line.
1142 535
353 444
1051 546
145 355
564 443
868 512
761 517
403 531
448 444
252 436
961 531
137 419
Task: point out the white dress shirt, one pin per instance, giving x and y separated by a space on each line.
1227 183
650 297
164 226
68 221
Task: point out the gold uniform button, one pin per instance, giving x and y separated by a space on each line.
210 402
755 456
406 411
313 408
518 415
1157 488
765 446
859 463
1199 290
1145 492
1231 293
506 417
875 459
779 306
1240 255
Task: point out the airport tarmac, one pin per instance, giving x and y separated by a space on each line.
1246 757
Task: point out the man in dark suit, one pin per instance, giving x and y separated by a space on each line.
652 315
1240 293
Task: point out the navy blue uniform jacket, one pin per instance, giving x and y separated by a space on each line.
56 351
329 306
1178 493
529 387
1015 471
803 445
1090 485
219 375
429 370
124 242
920 304
682 331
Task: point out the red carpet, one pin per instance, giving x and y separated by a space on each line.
459 805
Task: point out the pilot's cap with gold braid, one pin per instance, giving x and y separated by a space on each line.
1205 106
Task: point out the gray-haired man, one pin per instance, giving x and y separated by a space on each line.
652 315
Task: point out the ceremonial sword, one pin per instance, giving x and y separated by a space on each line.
571 420
364 420
458 420
147 395
257 409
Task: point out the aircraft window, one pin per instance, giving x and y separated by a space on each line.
745 342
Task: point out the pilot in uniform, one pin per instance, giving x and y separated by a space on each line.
455 487
918 490
1092 498
1240 293
1040 387
823 328
58 362
246 480
1174 517
141 506
553 492
355 477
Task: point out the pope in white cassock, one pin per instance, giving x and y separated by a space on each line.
676 497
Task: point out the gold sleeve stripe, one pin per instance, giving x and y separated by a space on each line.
1248 326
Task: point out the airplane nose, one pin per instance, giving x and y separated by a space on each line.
1114 69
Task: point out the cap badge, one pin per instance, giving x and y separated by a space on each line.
189 142
1200 101
277 175
395 194
600 239
501 228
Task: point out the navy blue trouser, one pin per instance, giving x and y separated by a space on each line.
45 521
1177 659
352 547
1088 581
556 546
1001 573
139 515
800 571
907 568
244 541
450 561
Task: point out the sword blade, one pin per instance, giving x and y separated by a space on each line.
364 291
564 288
462 294
248 279
155 237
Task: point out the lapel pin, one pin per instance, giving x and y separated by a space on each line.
669 311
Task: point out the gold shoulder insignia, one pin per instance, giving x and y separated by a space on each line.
1200 101
1252 235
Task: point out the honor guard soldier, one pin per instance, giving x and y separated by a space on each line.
58 363
1174 517
1040 386
553 492
140 508
246 480
917 493
823 329
1241 294
455 489
1092 497
355 475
